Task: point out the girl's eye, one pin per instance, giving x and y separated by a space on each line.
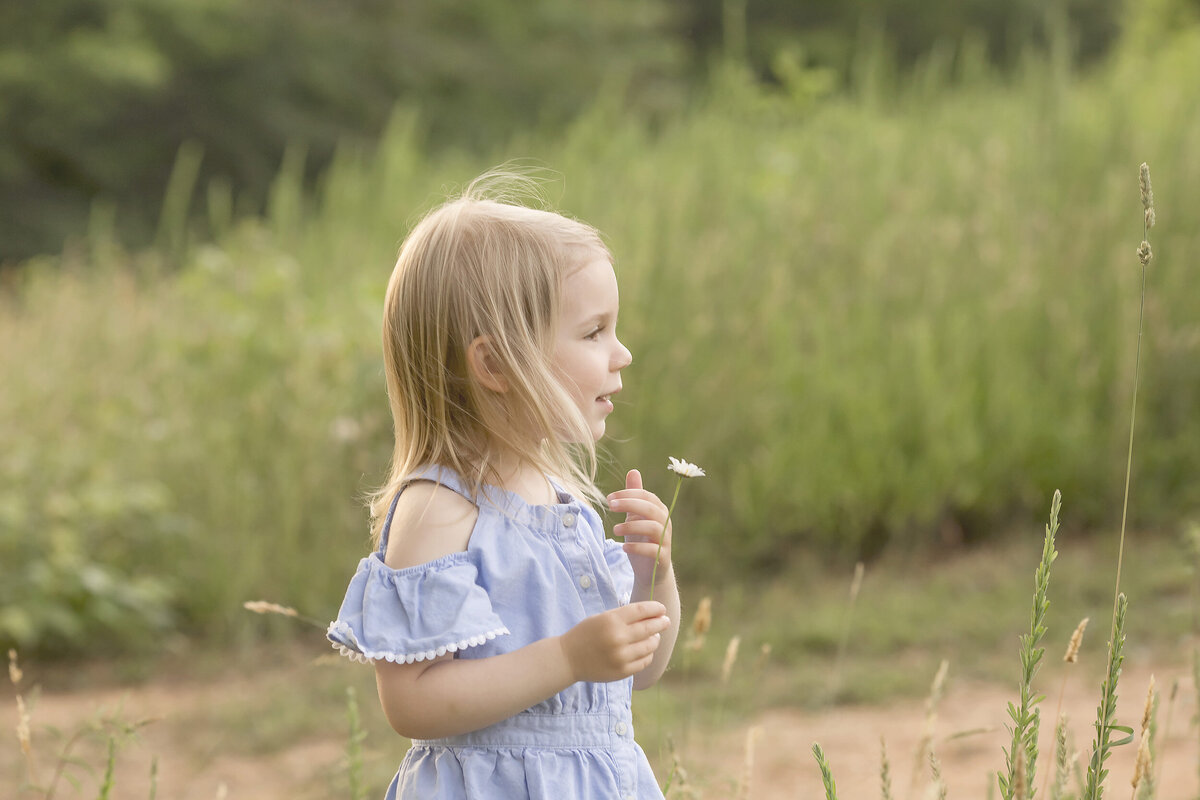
594 335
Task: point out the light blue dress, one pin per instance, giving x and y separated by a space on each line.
529 572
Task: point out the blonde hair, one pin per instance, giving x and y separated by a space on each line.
484 265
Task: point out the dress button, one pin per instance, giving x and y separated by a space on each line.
585 581
568 520
621 729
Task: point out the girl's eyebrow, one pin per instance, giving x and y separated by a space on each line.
602 317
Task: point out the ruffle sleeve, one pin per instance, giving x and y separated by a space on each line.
414 614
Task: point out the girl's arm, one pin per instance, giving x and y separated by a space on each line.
642 529
448 696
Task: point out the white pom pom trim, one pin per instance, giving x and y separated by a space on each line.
361 656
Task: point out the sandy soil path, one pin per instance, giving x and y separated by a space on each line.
783 766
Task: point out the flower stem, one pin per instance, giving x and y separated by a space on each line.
658 553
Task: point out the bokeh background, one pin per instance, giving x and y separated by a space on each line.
877 262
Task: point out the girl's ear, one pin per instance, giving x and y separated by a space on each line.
485 366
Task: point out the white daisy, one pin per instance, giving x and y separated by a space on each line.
681 467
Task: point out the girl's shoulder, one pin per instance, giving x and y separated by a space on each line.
430 521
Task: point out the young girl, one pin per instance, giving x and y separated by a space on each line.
506 631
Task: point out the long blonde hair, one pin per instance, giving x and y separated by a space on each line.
483 265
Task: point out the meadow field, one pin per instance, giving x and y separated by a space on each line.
889 324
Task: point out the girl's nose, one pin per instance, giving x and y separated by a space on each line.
623 357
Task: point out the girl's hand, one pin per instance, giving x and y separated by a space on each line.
615 644
642 529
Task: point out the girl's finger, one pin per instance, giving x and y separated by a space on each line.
649 628
651 529
642 610
639 508
647 551
633 480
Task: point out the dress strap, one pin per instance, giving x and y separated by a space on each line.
439 475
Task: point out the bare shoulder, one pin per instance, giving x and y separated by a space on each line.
430 521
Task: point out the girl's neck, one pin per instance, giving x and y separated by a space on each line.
524 480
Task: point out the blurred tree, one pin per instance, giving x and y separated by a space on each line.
829 31
97 96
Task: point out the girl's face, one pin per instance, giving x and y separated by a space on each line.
587 354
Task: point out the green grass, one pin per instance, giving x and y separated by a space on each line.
871 318
901 631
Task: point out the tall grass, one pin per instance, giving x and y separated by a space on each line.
876 317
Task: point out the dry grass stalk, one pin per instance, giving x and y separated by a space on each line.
1166 734
935 767
24 735
748 762
936 690
1145 754
764 653
1070 657
14 669
731 654
1148 711
678 778
263 607
1072 654
885 771
1147 194
1144 256
1141 767
1062 760
24 731
835 676
700 625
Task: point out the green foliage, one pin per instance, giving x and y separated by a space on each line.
875 324
1026 718
1106 712
826 773
97 96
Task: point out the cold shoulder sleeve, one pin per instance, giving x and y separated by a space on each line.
414 614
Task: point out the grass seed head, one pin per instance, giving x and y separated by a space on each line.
1148 711
1145 254
1147 189
935 689
14 670
263 607
1072 654
764 653
731 653
23 733
703 619
748 762
1141 767
856 583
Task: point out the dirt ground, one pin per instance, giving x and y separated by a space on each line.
782 763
